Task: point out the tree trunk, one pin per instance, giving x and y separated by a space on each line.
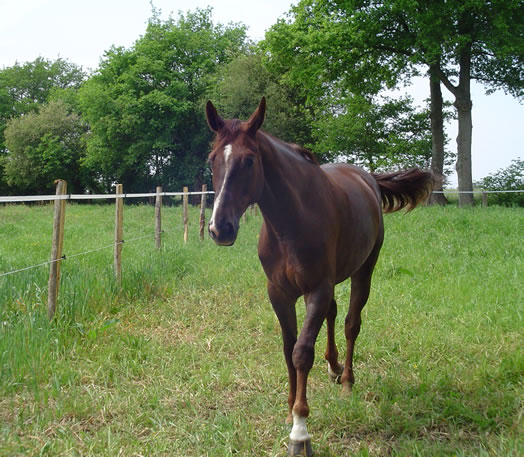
462 93
465 126
464 105
437 137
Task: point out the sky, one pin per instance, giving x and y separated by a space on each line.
81 31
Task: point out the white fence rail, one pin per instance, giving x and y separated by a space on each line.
43 198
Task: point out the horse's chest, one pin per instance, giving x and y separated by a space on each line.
294 269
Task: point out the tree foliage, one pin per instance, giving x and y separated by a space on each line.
349 121
145 104
240 87
363 46
42 146
376 134
24 88
323 70
510 178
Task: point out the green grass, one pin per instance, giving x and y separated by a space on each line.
186 358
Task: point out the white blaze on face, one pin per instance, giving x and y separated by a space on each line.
218 202
299 431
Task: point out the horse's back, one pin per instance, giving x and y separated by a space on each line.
351 178
360 216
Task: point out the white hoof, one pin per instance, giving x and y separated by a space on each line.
335 377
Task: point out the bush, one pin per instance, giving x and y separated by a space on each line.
510 178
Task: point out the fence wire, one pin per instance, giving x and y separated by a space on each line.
84 253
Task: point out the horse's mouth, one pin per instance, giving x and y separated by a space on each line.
224 242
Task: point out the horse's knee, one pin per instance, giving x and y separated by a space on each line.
352 327
303 356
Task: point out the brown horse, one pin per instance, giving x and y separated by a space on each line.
322 225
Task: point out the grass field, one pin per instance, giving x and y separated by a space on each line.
186 358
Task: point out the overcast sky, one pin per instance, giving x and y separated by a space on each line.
81 31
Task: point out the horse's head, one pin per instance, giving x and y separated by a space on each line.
238 176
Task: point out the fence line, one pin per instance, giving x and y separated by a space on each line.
119 240
40 198
59 221
476 191
84 253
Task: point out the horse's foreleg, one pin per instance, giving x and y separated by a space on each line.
317 305
284 308
334 368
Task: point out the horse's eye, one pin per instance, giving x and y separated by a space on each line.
250 160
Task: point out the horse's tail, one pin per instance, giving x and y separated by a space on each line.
404 189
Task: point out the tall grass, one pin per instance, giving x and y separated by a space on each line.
186 360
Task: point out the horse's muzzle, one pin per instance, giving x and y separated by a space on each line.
223 234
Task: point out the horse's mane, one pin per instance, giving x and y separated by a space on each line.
296 149
305 153
231 129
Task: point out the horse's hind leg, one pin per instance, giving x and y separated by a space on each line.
331 354
360 286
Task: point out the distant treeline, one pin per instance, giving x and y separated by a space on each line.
138 119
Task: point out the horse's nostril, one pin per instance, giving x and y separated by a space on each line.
212 232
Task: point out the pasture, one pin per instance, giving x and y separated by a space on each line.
186 359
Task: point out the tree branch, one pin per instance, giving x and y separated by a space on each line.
445 80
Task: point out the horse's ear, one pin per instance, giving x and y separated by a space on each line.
214 121
257 118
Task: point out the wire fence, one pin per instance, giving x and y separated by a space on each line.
84 253
43 198
71 197
60 199
480 191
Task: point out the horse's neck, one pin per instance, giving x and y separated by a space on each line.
286 176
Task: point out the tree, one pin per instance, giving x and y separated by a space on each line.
244 81
24 88
349 120
145 104
43 146
376 134
370 44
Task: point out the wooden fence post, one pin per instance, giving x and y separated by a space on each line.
56 249
484 199
158 218
203 211
119 232
185 201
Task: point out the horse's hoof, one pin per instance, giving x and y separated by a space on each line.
346 389
299 448
335 377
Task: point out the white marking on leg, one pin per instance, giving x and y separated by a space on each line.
299 431
218 202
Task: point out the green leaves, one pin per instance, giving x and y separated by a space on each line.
44 146
510 178
145 105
